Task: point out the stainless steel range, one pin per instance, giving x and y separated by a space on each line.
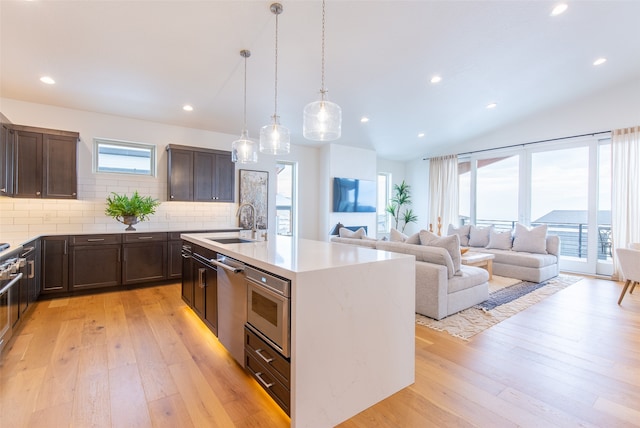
10 276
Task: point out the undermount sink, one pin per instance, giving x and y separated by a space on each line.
230 240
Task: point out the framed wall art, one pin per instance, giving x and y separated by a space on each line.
254 189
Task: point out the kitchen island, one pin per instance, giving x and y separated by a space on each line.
352 322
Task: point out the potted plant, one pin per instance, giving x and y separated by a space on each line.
401 198
130 210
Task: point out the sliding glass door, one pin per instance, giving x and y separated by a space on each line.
566 186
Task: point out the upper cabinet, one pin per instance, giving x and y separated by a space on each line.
197 174
38 162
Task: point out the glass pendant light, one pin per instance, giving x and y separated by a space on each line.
244 150
275 138
322 119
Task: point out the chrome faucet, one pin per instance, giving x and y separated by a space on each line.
254 230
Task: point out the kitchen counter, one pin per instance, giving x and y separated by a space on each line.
352 322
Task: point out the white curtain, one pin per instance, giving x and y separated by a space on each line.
443 191
625 189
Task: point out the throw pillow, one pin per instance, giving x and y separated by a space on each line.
346 233
479 236
499 240
532 240
462 232
449 243
396 236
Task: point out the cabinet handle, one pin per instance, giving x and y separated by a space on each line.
32 269
266 360
37 193
74 194
171 196
145 237
201 280
95 239
265 384
3 190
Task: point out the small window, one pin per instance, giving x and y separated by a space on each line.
124 157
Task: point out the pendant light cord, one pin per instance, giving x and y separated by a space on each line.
275 107
245 91
322 90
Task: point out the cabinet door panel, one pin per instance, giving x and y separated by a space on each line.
225 178
59 167
174 260
28 165
204 165
180 175
55 264
94 266
144 262
6 161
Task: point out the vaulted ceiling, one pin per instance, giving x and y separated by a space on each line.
146 59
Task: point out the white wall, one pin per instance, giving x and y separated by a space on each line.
86 214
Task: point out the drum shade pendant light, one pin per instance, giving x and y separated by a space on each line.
275 138
244 150
322 119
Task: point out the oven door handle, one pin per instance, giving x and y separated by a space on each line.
17 278
266 360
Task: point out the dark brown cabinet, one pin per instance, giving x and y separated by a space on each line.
174 259
187 274
144 257
205 286
44 163
55 264
95 261
6 160
196 174
29 285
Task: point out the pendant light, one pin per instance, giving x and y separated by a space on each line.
275 138
244 150
322 119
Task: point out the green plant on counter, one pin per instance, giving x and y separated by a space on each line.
121 206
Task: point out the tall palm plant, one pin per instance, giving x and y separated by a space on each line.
401 198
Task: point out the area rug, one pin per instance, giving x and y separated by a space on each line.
507 297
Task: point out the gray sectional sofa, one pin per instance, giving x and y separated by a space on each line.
442 288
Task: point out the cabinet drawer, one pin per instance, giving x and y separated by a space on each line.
145 237
96 239
278 365
280 393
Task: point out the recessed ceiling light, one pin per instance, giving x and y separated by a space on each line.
48 80
492 105
420 135
436 79
364 119
559 9
187 107
599 61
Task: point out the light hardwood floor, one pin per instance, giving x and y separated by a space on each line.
141 358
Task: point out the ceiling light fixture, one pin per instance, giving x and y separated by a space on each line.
275 138
559 9
420 135
599 61
436 79
187 107
322 119
48 80
492 105
244 150
364 119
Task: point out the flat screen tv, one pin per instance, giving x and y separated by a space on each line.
353 195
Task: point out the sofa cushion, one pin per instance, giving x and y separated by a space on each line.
397 236
462 232
499 240
479 236
422 253
516 258
469 277
449 243
346 233
364 242
532 240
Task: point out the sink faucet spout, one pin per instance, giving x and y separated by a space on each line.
254 229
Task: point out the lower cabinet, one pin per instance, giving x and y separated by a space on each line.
269 368
55 264
95 261
187 274
174 259
204 283
144 257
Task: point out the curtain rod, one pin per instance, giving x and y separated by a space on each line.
592 134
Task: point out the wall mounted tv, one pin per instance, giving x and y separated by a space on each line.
353 195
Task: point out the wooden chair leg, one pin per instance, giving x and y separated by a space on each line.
633 287
624 290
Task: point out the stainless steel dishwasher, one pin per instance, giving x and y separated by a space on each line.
232 305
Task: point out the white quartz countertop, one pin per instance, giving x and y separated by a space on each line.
286 256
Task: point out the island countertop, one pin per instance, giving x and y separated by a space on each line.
288 256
